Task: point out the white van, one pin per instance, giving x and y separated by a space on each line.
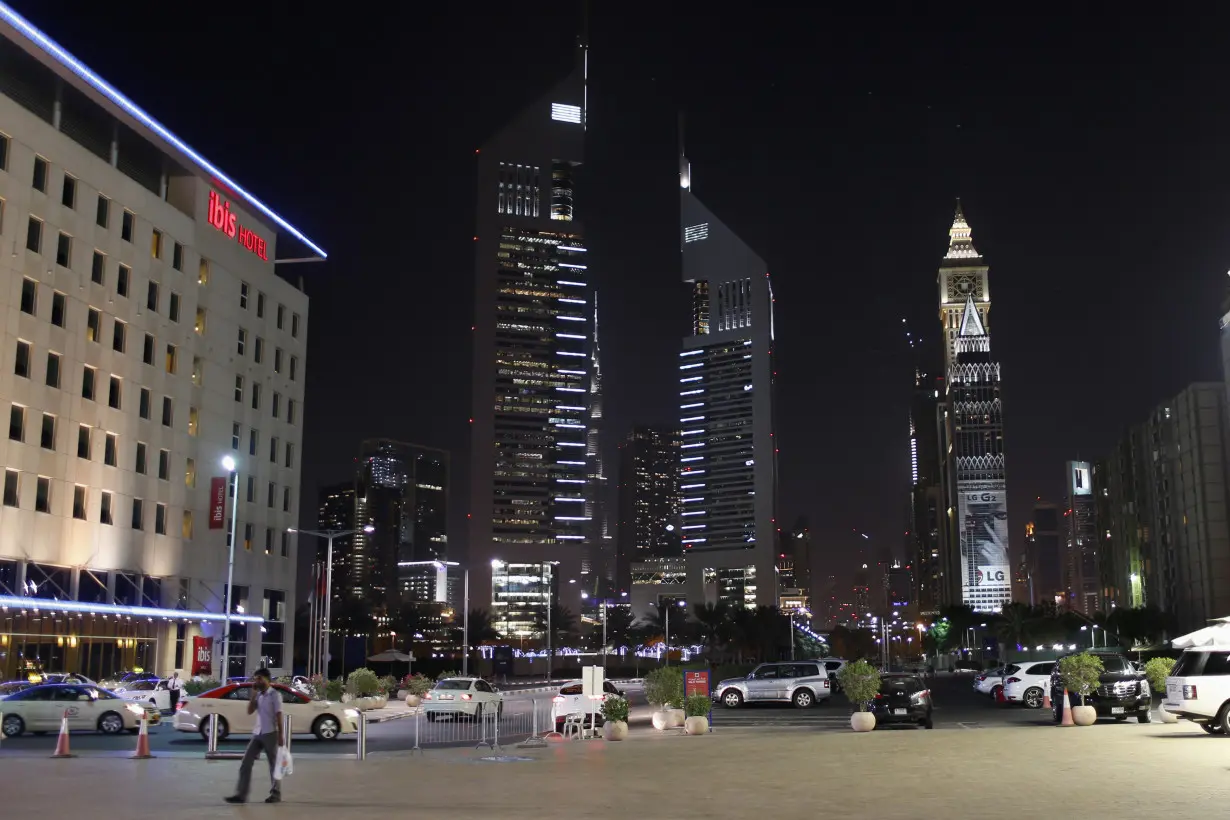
1198 688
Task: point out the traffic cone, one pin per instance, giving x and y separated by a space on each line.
1067 711
142 752
62 740
1046 699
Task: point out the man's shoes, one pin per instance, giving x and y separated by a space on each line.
234 798
274 798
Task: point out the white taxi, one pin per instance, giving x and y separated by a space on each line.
462 696
323 718
40 709
157 693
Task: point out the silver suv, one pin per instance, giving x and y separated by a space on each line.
803 683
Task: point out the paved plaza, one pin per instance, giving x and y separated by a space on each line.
1121 771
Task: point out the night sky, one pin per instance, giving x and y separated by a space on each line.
1088 151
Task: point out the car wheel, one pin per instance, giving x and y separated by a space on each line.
223 728
732 699
1223 720
1033 697
1211 728
1144 717
13 726
804 699
110 724
995 690
327 728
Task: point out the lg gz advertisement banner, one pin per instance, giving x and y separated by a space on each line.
986 579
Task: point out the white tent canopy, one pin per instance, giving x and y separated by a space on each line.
1217 634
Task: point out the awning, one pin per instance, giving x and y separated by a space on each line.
1217 634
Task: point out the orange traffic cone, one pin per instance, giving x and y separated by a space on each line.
142 752
1067 711
1046 699
62 740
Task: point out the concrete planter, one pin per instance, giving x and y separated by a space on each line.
677 718
413 700
696 725
862 721
665 718
615 730
1084 715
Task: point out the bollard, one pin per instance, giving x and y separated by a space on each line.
417 720
361 750
1 730
286 731
212 746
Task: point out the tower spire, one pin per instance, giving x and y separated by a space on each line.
685 167
960 238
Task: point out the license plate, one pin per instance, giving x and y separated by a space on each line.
898 711
1116 710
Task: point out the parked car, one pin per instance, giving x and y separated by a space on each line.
462 696
987 682
1198 688
154 692
323 718
803 683
1026 682
1122 693
903 698
570 701
40 709
66 677
12 687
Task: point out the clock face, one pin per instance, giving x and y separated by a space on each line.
962 286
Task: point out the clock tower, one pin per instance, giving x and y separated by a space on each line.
962 280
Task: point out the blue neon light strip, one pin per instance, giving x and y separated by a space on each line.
107 90
12 601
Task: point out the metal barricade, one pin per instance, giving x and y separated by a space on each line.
211 748
511 721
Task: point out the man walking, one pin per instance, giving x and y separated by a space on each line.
266 703
174 685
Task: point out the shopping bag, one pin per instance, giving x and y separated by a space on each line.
284 764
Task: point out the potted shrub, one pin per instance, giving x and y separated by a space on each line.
334 689
362 685
615 717
1081 674
861 683
1156 671
416 686
664 689
697 708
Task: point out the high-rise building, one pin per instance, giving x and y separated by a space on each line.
533 353
336 512
976 563
648 499
899 588
926 493
728 476
1123 484
1083 580
147 334
599 567
794 567
1045 578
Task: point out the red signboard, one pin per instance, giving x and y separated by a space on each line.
217 503
220 217
696 682
202 656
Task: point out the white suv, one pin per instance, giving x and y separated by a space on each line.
1198 688
1027 682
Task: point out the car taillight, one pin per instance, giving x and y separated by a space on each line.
427 696
981 678
181 705
926 693
826 684
1189 693
467 696
879 696
1013 680
558 699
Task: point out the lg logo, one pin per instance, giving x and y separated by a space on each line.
993 576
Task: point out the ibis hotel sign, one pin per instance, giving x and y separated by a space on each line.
222 218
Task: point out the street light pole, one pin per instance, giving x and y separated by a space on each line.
465 629
228 464
326 627
604 606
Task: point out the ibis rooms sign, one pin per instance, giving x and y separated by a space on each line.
221 217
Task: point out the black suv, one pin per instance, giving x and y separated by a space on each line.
1122 693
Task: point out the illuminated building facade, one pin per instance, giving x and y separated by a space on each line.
976 563
927 520
648 498
728 454
521 594
530 498
146 336
1081 558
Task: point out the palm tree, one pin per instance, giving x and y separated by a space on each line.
714 622
481 626
1013 624
618 625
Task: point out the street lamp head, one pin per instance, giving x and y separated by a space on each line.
369 529
496 563
584 595
228 464
291 529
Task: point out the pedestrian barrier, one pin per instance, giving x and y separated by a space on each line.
360 752
510 721
211 746
62 741
142 752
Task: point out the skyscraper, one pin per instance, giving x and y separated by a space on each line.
977 566
728 476
1081 558
336 512
599 565
532 346
926 494
648 499
1044 557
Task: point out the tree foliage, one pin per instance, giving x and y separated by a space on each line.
1081 673
861 683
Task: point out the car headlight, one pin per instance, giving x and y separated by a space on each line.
353 714
135 709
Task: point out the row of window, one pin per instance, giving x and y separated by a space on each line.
275 405
258 354
244 300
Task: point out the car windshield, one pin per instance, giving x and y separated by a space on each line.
1010 669
453 685
1115 664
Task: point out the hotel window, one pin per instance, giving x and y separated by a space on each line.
98 268
126 226
34 235
187 526
177 256
193 421
248 531
168 415
21 363
151 297
253 435
47 438
17 423
294 325
93 325
271 494
286 499
198 371
68 194
269 540
290 411
202 272
281 314
260 305
89 377
277 360
104 509
273 450
59 309
64 250
53 370
285 544
79 502
164 465
4 152
199 326
242 341
236 435
144 408
243 295
239 389
29 296
140 466
122 278
160 519
290 454
10 488
40 174
155 244
277 403
102 213
294 367
190 473
256 396
109 450
173 307
259 352
147 352
138 514
172 359
42 495
118 336
114 391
